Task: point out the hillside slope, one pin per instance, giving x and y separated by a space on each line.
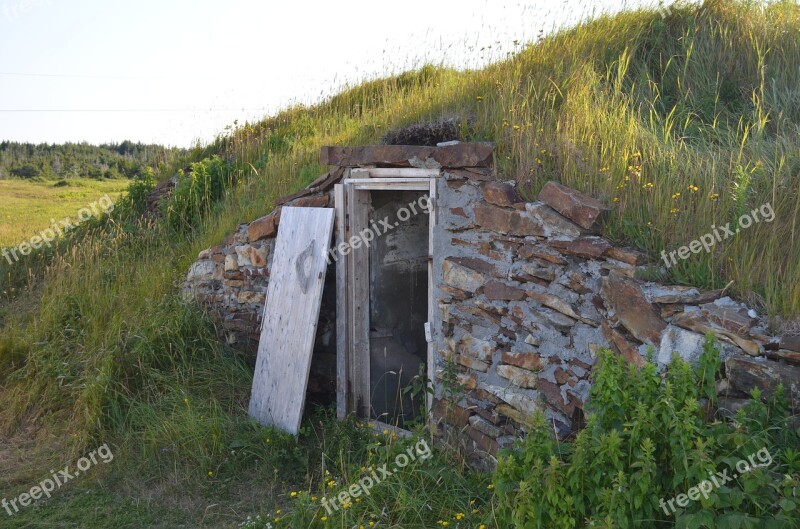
685 123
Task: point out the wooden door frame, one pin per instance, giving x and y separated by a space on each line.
352 200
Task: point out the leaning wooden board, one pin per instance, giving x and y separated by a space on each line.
294 295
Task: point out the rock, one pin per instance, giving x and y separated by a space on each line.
251 256
264 227
537 219
747 373
476 348
585 211
256 298
231 263
468 381
553 396
633 310
461 277
479 265
501 194
540 251
688 345
697 321
627 255
556 303
450 156
518 376
529 361
311 202
586 247
790 357
735 319
521 418
622 345
483 441
500 291
204 271
472 363
511 396
450 413
792 343
484 426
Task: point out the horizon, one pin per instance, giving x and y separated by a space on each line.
61 87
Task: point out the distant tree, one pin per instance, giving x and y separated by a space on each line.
26 171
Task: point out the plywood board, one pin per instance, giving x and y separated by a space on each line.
291 313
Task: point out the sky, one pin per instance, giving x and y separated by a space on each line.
176 72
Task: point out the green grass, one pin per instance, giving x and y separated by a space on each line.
28 206
96 345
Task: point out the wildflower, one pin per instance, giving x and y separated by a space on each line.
616 199
293 494
713 196
515 127
693 188
474 511
675 196
674 210
472 502
479 98
482 526
210 473
278 511
331 484
648 185
459 516
324 519
313 498
491 486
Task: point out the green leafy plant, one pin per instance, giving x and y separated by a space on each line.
647 442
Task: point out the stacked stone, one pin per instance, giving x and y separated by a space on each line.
230 280
528 292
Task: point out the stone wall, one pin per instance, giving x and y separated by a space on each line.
525 295
230 281
528 292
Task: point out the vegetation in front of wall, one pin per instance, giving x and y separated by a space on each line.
648 451
633 109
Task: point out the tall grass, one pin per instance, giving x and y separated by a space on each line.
632 108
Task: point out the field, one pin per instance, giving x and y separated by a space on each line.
27 207
681 123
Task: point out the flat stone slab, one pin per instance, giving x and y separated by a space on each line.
449 156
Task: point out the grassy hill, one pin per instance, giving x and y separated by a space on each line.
684 123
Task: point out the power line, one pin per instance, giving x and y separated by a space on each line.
119 77
133 110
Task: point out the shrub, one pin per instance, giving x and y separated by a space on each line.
647 442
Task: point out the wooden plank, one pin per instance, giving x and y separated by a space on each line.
433 195
380 427
389 184
342 304
291 314
450 156
358 272
397 172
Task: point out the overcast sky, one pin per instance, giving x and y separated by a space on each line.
177 71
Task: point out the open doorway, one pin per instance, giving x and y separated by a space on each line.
398 292
383 293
